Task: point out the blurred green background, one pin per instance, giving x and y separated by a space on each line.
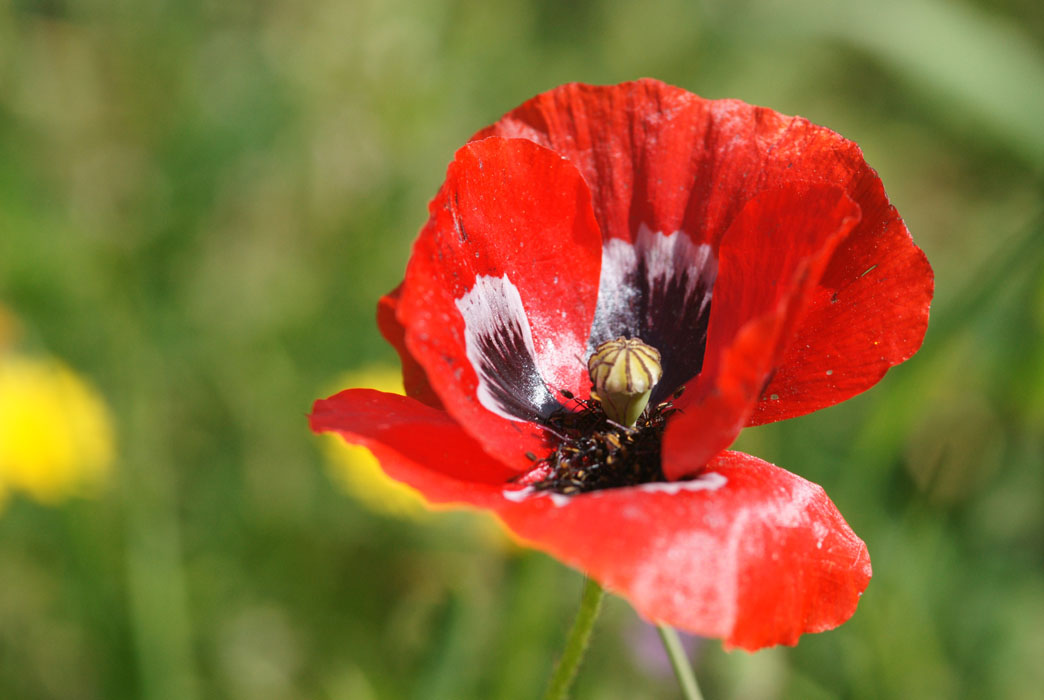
200 202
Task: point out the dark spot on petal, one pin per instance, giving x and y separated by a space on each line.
511 374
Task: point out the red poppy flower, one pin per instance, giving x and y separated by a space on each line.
756 252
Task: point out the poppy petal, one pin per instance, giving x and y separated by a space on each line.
781 237
659 157
869 310
772 257
747 551
868 313
702 430
415 444
653 154
414 380
501 289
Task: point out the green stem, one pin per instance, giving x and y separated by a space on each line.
576 643
680 662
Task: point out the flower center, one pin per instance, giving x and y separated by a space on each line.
614 438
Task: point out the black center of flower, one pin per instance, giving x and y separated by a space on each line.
597 453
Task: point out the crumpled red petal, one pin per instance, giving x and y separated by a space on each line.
656 154
652 153
704 429
772 258
868 313
747 552
414 380
509 209
416 444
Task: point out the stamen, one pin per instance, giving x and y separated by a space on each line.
610 440
599 453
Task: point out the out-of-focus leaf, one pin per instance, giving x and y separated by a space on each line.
975 65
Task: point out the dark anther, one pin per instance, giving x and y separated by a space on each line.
597 453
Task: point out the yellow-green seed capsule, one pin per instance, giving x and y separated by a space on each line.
624 372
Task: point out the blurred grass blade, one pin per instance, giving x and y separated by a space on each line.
975 64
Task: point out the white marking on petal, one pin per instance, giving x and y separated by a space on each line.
616 296
671 256
562 353
498 342
520 495
820 531
710 481
666 257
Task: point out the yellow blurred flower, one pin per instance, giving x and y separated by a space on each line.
56 436
357 471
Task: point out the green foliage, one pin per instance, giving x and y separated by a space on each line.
200 203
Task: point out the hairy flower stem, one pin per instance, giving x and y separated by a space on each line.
576 644
680 663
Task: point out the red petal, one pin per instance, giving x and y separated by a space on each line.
509 210
772 257
416 444
748 552
653 153
414 380
768 252
709 425
869 312
659 155
870 309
